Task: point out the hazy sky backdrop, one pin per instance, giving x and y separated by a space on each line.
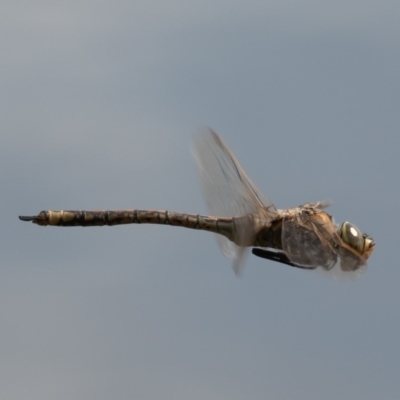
99 104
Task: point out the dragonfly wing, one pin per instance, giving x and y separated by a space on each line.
312 239
350 260
304 245
226 185
229 191
349 265
239 259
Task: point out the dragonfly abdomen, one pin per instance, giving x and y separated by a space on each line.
221 225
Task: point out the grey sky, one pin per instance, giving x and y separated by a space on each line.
99 105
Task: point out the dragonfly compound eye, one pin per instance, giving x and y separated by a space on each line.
351 235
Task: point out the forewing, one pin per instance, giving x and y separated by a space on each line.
349 266
312 240
228 191
350 261
303 243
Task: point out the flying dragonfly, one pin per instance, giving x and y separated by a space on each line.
243 217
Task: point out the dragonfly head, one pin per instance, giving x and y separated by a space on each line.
360 242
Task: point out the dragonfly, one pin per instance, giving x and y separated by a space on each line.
304 237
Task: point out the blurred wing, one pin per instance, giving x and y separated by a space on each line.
228 191
349 266
350 262
304 245
313 241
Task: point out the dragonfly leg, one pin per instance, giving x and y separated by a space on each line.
277 256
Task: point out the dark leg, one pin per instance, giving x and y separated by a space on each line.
276 256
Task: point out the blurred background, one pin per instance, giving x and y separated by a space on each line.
99 105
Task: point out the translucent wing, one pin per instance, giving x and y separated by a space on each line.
311 239
229 192
351 264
